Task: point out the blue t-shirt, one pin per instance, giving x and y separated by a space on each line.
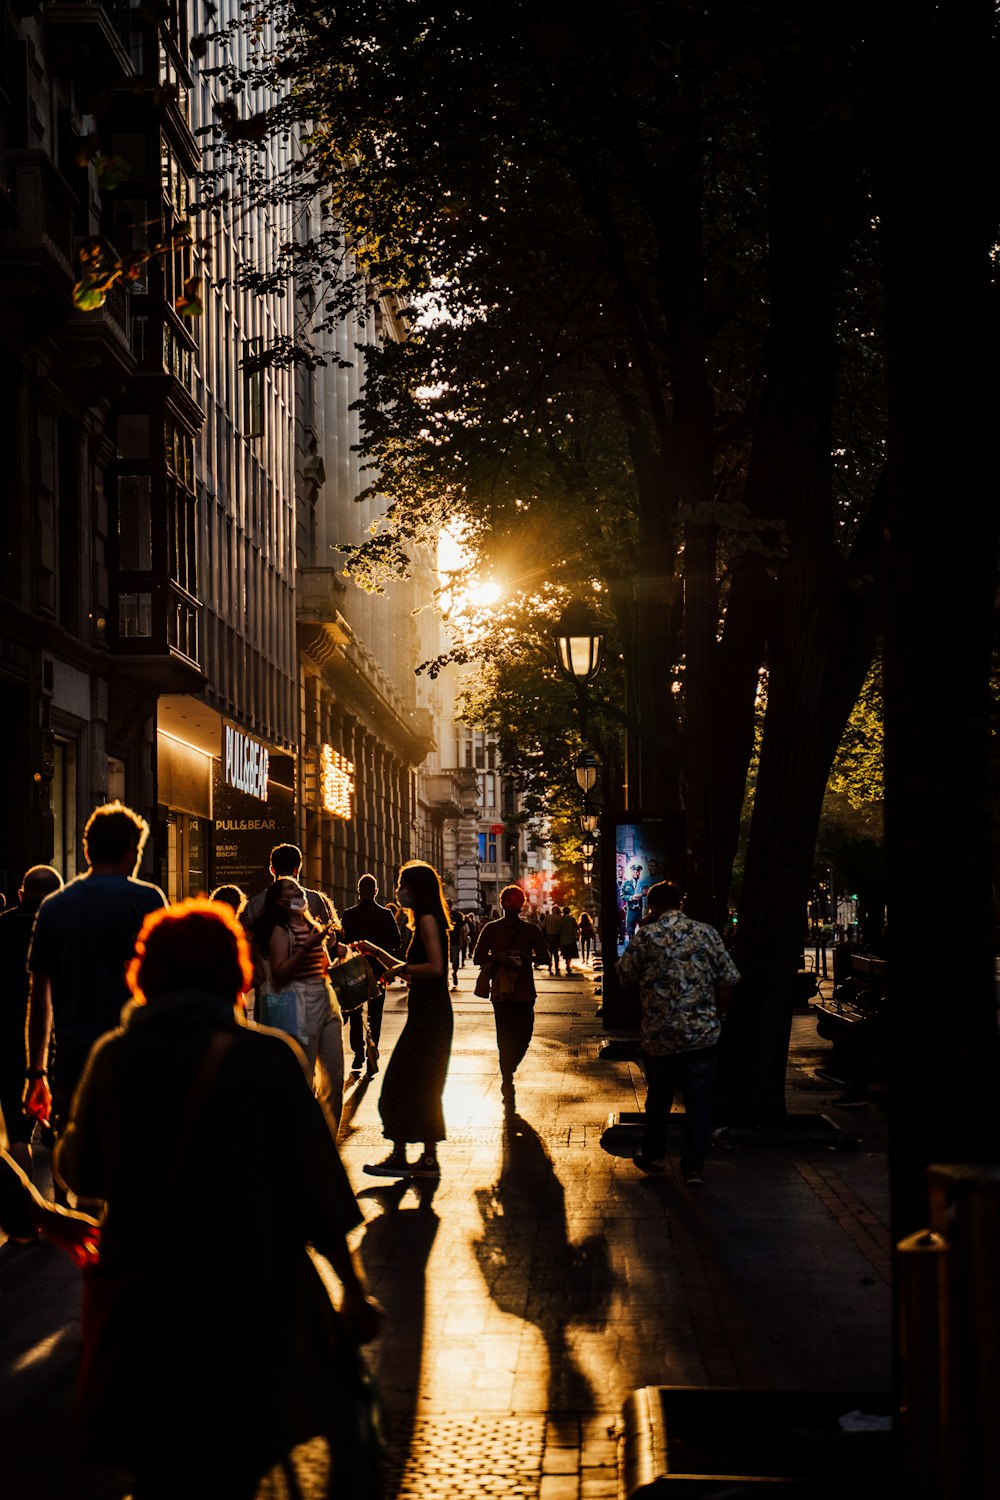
84 939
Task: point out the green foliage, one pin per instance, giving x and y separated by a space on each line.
858 770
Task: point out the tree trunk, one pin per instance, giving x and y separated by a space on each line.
933 84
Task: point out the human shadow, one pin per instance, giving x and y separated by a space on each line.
534 1270
396 1248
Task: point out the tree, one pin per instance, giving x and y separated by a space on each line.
633 256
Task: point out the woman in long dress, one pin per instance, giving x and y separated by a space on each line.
410 1102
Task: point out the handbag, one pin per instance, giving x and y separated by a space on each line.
482 987
353 982
282 1010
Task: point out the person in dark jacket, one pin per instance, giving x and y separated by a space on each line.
511 947
15 939
375 924
218 1170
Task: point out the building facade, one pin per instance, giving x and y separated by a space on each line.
175 629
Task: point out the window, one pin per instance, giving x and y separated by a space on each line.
253 388
135 615
135 523
64 808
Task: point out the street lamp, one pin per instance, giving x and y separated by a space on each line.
588 865
588 844
579 638
588 820
587 767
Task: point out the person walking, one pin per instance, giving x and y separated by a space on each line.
586 935
376 924
550 925
15 940
455 942
82 942
297 957
510 946
285 863
410 1103
567 939
685 978
225 1179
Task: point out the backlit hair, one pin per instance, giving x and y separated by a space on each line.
196 945
111 832
428 896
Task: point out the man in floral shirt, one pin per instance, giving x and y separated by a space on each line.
685 977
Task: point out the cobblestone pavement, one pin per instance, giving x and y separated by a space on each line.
544 1277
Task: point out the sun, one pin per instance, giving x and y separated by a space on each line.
461 588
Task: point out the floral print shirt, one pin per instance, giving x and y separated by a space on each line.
677 964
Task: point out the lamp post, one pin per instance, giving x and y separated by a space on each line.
580 640
587 767
588 844
588 819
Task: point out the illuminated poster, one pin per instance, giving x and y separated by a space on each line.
636 853
253 808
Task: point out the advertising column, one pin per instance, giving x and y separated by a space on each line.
253 800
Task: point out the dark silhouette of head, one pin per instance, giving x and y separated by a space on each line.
286 859
113 832
40 881
664 896
367 888
231 896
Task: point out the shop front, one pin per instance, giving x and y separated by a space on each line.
224 799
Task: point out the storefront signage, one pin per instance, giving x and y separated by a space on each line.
336 782
253 807
244 763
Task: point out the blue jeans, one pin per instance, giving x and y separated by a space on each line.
694 1074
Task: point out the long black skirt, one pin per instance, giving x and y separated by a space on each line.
410 1102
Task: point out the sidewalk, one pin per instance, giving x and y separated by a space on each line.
545 1278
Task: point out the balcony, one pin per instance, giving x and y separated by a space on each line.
155 629
99 346
90 39
37 251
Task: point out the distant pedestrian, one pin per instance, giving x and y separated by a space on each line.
15 939
298 960
377 924
455 942
82 943
411 1098
551 923
685 978
464 938
224 1179
586 935
231 896
509 947
567 939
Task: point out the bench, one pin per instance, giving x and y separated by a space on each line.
854 1019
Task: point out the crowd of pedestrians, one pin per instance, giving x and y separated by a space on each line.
188 1064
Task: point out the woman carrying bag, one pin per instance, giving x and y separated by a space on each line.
299 998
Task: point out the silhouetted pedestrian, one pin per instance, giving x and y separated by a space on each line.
376 924
15 939
685 977
232 1352
82 942
410 1102
509 946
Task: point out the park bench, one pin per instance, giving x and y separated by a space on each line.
853 1018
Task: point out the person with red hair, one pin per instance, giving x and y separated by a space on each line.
217 1168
